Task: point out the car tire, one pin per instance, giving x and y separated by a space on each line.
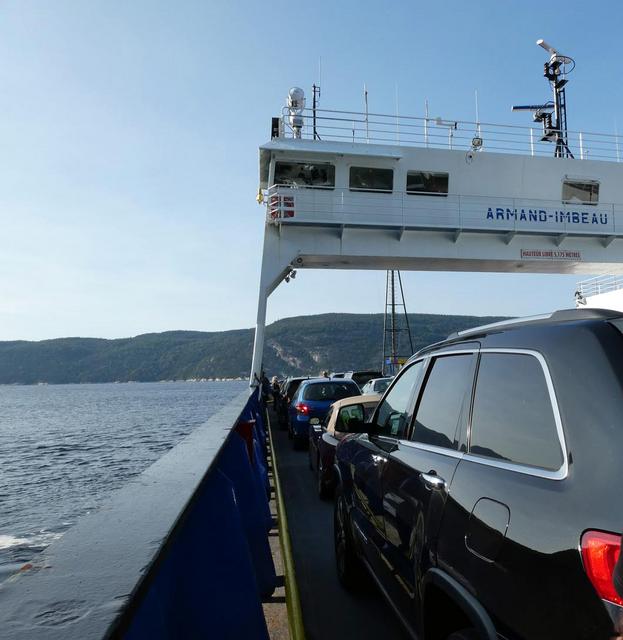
464 634
350 570
324 493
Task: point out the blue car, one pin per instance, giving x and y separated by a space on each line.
311 403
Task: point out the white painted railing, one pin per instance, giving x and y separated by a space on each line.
338 207
351 126
600 284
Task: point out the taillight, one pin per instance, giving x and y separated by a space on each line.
600 552
302 408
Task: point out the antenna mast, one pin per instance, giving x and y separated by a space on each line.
316 96
392 360
553 114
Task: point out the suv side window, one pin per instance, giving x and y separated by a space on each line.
445 400
394 413
513 419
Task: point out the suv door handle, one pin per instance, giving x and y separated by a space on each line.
433 481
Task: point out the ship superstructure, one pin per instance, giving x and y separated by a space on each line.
348 190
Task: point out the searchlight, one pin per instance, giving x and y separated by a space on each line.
296 106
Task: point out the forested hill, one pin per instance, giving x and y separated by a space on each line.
301 345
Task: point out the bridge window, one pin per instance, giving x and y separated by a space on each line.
371 179
580 192
320 175
427 183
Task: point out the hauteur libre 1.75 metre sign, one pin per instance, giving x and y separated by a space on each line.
551 254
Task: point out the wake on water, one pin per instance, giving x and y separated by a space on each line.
6 542
43 538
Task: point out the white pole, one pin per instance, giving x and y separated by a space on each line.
272 273
397 127
258 344
477 113
616 140
581 146
426 122
320 71
365 97
531 142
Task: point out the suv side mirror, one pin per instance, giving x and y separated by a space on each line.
351 419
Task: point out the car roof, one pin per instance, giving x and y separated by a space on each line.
336 380
360 371
365 399
563 316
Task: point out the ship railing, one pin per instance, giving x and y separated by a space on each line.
377 128
599 285
346 207
181 551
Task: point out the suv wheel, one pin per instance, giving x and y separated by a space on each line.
350 571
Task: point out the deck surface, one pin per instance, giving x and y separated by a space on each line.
329 612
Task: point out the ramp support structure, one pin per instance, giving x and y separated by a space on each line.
275 268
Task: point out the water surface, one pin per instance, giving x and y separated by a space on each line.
64 448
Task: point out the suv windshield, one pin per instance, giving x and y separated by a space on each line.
330 391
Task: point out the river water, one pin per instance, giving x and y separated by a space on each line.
65 448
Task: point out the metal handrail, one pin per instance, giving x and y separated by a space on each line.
343 206
600 284
332 124
549 202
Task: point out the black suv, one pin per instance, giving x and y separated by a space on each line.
485 496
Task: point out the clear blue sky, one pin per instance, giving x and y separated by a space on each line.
129 135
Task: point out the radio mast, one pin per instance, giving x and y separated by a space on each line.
553 114
395 324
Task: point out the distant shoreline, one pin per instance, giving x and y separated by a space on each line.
303 345
58 384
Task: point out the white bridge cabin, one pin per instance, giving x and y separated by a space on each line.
368 191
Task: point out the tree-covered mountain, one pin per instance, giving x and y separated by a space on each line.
300 345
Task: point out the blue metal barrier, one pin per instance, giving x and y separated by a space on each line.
181 552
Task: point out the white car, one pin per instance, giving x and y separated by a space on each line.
376 385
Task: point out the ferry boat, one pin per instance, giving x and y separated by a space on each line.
182 551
